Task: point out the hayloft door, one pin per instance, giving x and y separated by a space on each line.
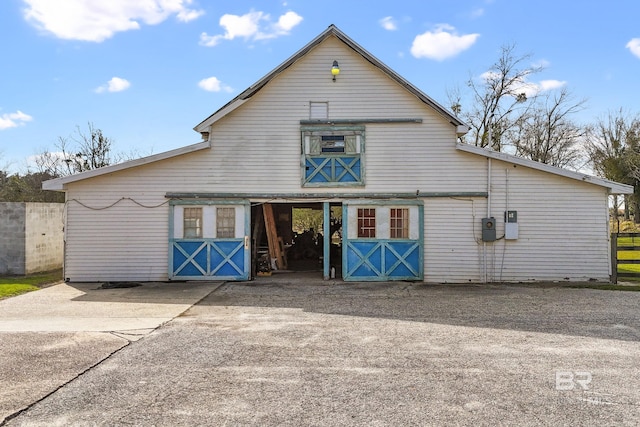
209 240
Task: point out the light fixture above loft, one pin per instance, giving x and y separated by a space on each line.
335 70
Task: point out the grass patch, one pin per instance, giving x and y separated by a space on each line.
10 286
11 290
628 255
628 268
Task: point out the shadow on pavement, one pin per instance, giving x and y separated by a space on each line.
144 292
546 309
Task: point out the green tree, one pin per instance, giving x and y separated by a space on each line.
26 188
307 219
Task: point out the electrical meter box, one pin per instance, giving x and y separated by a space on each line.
511 225
489 229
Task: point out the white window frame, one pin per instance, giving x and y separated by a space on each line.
197 227
223 229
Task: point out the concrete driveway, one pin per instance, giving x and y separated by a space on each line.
51 336
288 352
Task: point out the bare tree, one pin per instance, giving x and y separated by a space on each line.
547 133
51 163
78 153
92 150
613 146
499 99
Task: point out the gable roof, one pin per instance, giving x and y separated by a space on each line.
331 31
612 186
58 183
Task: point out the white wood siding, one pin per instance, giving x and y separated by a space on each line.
256 149
563 231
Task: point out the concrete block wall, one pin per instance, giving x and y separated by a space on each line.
44 237
31 237
12 241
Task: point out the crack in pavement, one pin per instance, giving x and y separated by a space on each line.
26 408
129 336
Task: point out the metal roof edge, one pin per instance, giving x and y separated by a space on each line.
57 184
614 187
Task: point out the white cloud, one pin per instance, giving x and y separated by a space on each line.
551 84
530 89
116 84
48 157
477 13
188 15
98 20
12 120
634 47
388 23
212 84
287 21
252 26
542 63
441 43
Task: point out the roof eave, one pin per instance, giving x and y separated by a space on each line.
58 184
612 186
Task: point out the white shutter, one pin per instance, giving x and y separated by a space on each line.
314 145
350 144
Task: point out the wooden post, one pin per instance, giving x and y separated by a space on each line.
256 237
326 240
614 258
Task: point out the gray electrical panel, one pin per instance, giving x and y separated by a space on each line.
511 225
488 229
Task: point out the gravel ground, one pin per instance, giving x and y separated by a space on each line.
281 352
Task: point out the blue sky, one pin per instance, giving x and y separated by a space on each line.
147 71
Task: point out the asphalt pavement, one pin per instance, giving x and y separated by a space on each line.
52 336
287 351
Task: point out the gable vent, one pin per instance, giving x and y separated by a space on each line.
319 111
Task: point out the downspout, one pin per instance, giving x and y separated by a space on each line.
484 244
506 172
64 235
488 187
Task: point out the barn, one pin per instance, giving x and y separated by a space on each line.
335 131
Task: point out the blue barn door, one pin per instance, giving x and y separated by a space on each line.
209 241
383 241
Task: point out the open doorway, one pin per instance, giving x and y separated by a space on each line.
299 231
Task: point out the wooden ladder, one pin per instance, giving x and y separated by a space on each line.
276 247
